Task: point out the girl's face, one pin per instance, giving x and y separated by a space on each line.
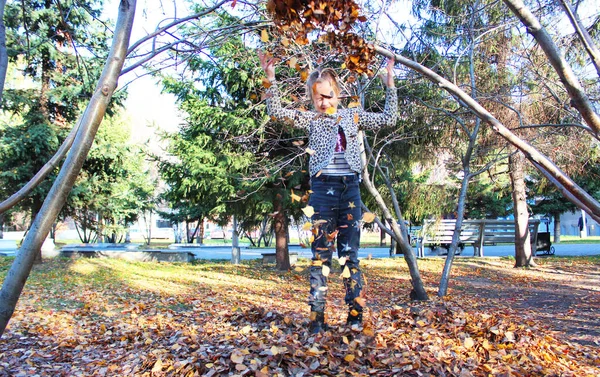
324 97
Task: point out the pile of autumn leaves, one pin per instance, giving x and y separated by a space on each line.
216 320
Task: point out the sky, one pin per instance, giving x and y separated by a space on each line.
148 108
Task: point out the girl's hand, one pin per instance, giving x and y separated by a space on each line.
388 77
267 62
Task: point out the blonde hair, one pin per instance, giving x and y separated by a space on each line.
322 75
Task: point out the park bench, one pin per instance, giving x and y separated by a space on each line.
473 232
8 247
268 258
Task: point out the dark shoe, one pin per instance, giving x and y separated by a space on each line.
317 323
354 318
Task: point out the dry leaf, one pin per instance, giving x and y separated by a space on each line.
346 272
307 225
368 217
264 36
309 211
267 84
325 270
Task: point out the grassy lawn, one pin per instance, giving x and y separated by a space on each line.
98 317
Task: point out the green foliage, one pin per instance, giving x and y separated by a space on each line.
113 188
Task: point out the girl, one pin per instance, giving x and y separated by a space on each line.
335 170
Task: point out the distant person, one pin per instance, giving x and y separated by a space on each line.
581 224
335 168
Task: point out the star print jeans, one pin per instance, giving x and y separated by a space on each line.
336 225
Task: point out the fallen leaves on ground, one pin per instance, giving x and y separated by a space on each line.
106 317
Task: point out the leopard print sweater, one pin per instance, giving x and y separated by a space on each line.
323 128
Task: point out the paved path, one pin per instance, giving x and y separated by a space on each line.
224 252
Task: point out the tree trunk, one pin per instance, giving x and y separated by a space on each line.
235 243
579 100
584 36
1 226
557 228
19 271
523 254
3 52
399 231
282 255
566 185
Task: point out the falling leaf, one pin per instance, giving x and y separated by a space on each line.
356 118
361 301
298 142
292 62
295 198
304 75
331 110
267 84
307 225
342 261
309 151
346 272
309 211
325 270
264 36
368 217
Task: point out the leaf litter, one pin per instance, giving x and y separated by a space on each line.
101 317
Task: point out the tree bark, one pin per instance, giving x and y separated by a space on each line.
584 36
3 51
398 228
579 99
280 225
556 228
17 275
523 254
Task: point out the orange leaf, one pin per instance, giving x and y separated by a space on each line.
355 118
368 217
266 83
349 358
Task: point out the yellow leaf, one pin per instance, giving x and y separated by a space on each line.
264 35
345 340
342 261
309 151
292 62
353 104
346 272
349 358
325 270
343 66
274 350
469 343
307 225
355 118
368 217
158 365
332 110
308 211
367 331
